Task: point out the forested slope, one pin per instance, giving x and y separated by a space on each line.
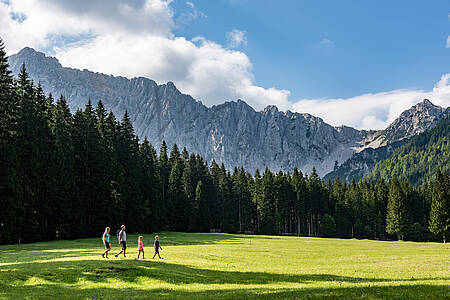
418 160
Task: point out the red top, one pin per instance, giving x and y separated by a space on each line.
141 245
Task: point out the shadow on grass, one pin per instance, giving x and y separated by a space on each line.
131 271
53 291
11 258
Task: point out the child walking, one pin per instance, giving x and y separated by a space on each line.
106 242
157 247
141 247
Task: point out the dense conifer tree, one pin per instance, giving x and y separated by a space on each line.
9 180
397 218
63 175
440 205
164 172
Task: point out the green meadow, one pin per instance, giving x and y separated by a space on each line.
226 266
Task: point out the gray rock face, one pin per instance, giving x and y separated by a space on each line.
232 133
419 118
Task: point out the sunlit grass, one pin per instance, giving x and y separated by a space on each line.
227 266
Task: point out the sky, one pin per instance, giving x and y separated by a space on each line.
354 63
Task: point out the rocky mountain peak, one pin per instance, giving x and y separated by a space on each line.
423 108
37 58
426 102
271 109
419 118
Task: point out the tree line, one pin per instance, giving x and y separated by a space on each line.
65 176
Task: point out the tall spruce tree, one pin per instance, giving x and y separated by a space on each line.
164 172
9 179
299 187
215 204
266 203
45 163
190 179
63 175
201 208
397 218
150 185
440 205
178 217
242 193
29 224
131 187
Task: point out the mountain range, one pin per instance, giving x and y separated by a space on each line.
232 133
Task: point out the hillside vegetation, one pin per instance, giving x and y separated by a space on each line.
418 160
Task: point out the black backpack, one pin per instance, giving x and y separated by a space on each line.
118 233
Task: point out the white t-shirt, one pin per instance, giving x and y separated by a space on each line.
124 236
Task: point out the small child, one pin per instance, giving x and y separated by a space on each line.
157 247
141 247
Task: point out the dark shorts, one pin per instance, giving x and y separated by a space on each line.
124 245
156 250
107 245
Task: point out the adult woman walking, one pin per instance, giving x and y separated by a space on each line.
106 242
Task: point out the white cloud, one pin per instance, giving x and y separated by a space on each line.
326 42
135 38
448 42
373 111
47 19
236 38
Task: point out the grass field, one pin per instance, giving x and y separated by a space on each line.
224 266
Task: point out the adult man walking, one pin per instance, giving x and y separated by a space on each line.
122 241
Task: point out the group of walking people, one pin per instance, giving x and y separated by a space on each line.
122 239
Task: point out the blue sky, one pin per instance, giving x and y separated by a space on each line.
355 63
374 45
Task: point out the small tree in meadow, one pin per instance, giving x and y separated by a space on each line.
327 226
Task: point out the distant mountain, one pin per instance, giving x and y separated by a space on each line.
418 160
413 121
232 133
418 119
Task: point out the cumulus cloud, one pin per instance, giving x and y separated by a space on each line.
135 38
373 111
45 20
236 38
